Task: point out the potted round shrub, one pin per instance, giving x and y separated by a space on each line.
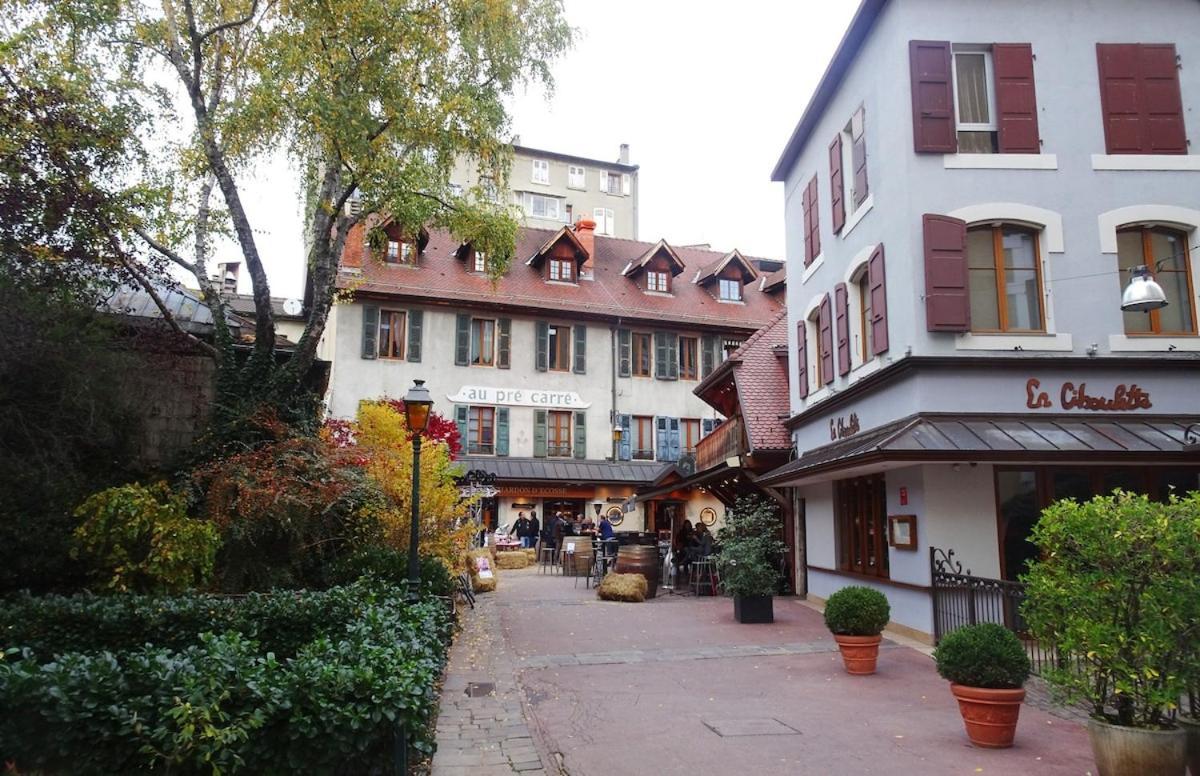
856 616
1116 591
987 668
748 561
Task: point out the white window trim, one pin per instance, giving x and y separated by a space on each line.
848 174
1027 342
535 166
570 177
1153 343
853 219
1049 221
1152 162
858 266
1000 161
1173 215
812 268
989 82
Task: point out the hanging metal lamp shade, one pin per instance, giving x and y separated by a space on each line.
1143 293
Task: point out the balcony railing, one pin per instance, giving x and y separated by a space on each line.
726 441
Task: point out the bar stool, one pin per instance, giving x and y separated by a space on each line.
704 574
545 557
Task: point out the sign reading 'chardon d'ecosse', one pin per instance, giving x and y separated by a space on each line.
519 397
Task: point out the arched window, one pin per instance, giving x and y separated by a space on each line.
861 289
1006 279
1164 251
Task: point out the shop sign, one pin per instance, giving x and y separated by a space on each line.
544 491
842 427
1124 398
518 397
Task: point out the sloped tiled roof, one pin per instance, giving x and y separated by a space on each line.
761 376
709 272
442 279
564 470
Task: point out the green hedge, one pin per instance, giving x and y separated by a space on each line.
225 703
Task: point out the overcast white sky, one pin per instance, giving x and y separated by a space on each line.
705 93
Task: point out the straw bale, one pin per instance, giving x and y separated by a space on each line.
481 585
623 587
512 560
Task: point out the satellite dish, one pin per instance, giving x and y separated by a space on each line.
293 306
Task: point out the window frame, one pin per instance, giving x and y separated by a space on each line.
576 177
562 268
997 228
476 345
544 166
641 347
1147 259
852 541
848 174
689 358
813 336
480 260
544 199
686 426
721 286
556 447
608 187
862 286
475 418
636 425
989 81
558 347
658 280
381 343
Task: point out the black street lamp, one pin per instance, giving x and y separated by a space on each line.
417 403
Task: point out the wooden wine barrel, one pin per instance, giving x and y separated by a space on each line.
582 551
640 559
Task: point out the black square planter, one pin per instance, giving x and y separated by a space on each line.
754 608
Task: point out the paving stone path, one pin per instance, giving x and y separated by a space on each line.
683 653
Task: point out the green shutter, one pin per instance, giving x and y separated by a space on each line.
661 371
539 433
370 331
672 356
662 440
708 353
462 339
541 356
625 446
502 431
581 435
504 343
624 353
460 420
580 349
416 319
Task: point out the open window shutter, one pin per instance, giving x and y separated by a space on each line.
801 359
580 435
1120 98
416 319
837 186
930 64
806 206
502 431
462 339
841 319
672 355
708 355
460 420
877 286
603 182
858 156
1016 99
1162 101
539 433
504 343
625 444
580 332
825 332
676 449
370 331
706 427
625 184
662 445
812 224
541 356
660 355
947 282
624 353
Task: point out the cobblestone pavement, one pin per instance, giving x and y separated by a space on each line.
684 653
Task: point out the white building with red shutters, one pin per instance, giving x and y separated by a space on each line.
967 192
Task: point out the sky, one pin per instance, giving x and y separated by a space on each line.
705 93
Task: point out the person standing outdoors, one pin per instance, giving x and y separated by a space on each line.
535 528
521 527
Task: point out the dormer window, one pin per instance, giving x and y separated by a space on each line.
562 269
480 261
730 289
399 252
658 281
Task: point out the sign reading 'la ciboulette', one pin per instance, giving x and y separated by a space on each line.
1124 398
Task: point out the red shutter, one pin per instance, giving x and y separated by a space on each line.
1162 103
806 206
932 97
858 156
837 188
814 219
841 317
1119 98
947 285
825 332
877 287
1016 99
801 360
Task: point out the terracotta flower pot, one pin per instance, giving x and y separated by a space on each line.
1129 751
990 716
859 653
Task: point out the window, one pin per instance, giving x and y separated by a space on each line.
481 430
483 342
689 432
642 355
610 182
399 252
541 171
1164 251
730 290
689 369
559 355
863 289
558 434
604 221
728 347
819 354
391 334
860 507
541 206
854 163
561 269
1005 282
576 177
975 102
658 281
480 261
643 438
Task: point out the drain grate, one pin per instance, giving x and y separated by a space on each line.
764 726
480 689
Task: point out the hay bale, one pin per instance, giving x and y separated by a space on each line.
531 553
512 560
623 587
483 585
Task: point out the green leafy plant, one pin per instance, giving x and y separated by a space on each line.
1117 591
391 565
141 539
857 611
986 655
748 561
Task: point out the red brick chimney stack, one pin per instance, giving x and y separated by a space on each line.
585 231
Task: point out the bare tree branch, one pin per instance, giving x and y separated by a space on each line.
134 270
165 251
249 17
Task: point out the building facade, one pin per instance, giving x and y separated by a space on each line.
966 195
571 377
553 189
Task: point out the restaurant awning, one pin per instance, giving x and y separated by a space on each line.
999 439
665 485
564 470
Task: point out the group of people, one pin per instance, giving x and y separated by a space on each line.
692 543
528 529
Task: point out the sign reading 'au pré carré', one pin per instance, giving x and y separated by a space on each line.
519 397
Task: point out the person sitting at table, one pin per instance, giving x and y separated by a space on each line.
704 541
606 528
586 526
683 547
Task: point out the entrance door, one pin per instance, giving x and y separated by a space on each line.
571 508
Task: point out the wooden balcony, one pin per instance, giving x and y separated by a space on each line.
726 441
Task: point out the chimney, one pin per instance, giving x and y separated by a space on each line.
585 231
227 276
624 157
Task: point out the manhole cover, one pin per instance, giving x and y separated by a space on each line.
766 726
480 689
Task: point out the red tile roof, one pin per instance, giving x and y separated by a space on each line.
761 376
443 279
